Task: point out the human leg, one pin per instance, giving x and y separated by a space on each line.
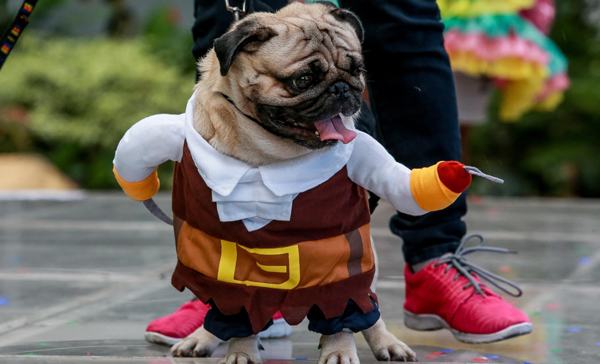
413 97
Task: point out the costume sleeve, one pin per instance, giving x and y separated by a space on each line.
413 192
147 144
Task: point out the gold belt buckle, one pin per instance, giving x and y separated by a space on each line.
228 263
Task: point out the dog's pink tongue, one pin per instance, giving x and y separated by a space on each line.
333 128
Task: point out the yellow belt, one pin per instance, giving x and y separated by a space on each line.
306 264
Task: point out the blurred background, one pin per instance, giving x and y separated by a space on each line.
83 72
86 70
85 277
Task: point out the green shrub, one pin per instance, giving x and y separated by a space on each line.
165 39
81 96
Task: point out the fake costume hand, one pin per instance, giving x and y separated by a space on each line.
142 190
438 186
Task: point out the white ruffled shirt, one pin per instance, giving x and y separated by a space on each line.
257 196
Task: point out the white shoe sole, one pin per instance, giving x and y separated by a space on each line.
156 338
279 329
429 322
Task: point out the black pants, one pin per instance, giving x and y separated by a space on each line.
412 96
226 327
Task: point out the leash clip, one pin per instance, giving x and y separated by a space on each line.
236 10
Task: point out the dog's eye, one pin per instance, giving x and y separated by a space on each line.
303 82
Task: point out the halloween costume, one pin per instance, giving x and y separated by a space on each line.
289 236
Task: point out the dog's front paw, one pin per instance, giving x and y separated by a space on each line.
338 349
199 344
385 346
243 351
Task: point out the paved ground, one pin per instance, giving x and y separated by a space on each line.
80 280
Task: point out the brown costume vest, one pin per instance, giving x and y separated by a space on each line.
322 256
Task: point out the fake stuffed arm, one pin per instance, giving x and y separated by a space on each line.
147 144
438 186
140 190
414 192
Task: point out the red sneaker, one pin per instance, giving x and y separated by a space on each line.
171 329
449 294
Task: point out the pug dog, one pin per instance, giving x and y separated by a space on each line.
291 70
269 192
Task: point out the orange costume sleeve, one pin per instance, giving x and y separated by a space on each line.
142 190
438 186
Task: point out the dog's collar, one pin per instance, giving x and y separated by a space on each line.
238 109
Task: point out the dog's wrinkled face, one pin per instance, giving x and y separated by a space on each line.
298 71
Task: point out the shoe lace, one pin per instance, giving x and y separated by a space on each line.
465 268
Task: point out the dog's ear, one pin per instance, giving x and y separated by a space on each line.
349 17
230 44
329 4
346 16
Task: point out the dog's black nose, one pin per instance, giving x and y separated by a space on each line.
340 89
